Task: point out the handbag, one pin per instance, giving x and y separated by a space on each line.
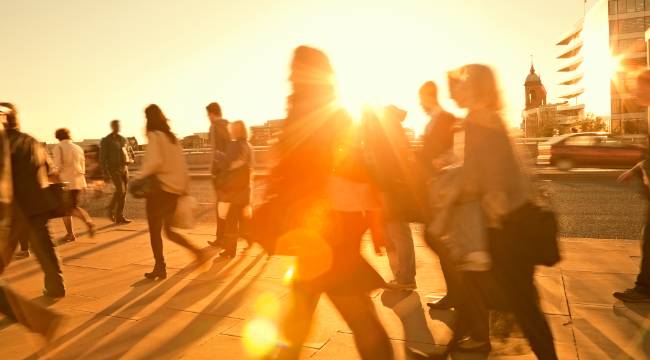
536 237
59 199
142 188
184 214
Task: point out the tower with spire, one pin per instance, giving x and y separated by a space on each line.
535 91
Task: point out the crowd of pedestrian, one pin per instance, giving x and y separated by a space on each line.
333 180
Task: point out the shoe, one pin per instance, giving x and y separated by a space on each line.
397 286
21 254
469 345
416 354
69 238
226 254
122 221
632 296
92 230
215 243
159 272
443 304
54 294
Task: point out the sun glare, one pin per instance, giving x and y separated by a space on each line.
260 337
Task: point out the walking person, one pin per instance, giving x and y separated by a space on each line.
234 192
31 205
437 143
387 151
219 140
640 293
16 308
494 178
163 165
115 158
320 174
70 168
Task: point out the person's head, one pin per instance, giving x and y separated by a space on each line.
115 126
643 88
312 77
62 134
475 87
156 121
214 111
10 114
428 96
238 130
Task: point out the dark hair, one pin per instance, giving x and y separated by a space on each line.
156 121
214 108
11 116
62 134
113 122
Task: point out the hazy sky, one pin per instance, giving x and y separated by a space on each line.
81 63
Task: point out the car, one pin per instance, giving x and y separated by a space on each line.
594 149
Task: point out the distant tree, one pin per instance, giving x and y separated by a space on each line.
591 123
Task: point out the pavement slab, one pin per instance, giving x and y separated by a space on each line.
202 311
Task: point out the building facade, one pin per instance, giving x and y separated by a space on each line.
628 22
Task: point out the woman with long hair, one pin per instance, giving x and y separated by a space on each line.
70 167
235 191
494 176
320 172
164 163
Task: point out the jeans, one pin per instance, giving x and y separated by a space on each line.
449 271
643 279
120 179
235 228
160 212
400 251
35 229
221 223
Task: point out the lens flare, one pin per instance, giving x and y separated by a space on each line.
289 274
267 306
260 337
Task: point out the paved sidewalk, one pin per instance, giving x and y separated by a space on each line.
206 312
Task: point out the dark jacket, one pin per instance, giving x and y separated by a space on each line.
28 173
219 139
113 153
234 166
438 137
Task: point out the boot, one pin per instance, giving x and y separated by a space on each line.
159 272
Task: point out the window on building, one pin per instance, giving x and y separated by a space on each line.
631 106
613 7
622 6
630 45
647 21
647 4
631 5
613 27
616 106
640 5
627 26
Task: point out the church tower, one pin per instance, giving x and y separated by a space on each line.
535 91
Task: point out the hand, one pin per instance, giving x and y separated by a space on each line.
626 176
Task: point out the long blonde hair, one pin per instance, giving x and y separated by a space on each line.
480 82
238 130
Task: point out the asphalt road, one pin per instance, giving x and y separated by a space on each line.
591 204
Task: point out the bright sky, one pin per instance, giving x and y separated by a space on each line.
81 63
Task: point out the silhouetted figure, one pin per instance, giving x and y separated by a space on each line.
387 151
234 192
437 142
114 159
70 168
164 164
16 308
640 293
319 170
31 204
219 140
494 177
